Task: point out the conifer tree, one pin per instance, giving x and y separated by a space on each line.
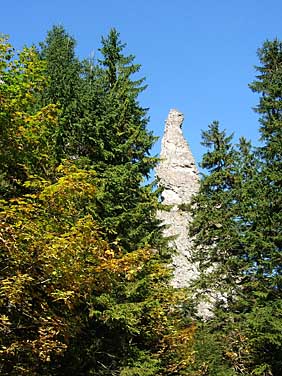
129 140
215 210
63 70
269 86
103 125
245 242
117 143
265 242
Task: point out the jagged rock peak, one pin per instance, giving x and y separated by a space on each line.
178 176
177 172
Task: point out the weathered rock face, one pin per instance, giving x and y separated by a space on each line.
178 176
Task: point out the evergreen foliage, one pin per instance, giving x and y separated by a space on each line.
237 229
118 144
268 85
63 70
214 210
102 125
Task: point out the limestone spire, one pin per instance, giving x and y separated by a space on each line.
178 176
177 172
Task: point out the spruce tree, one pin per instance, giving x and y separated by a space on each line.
269 222
239 235
221 230
63 71
266 230
117 143
214 209
102 125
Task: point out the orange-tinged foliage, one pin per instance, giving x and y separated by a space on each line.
51 265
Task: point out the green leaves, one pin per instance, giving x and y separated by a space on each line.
61 278
26 131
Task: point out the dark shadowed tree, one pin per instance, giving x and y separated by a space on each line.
63 71
237 228
117 143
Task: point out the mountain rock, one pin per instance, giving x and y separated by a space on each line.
178 176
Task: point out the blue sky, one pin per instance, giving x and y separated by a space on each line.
198 56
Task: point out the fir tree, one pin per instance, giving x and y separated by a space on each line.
63 70
117 143
239 234
215 223
265 242
269 223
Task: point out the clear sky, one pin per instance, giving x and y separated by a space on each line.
198 56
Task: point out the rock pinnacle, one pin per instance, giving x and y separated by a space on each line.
178 177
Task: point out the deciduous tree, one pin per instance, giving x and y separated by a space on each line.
27 129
